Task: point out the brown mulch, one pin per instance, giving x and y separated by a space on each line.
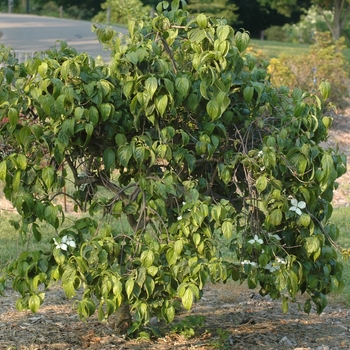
235 318
247 321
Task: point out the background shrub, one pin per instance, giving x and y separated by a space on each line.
325 61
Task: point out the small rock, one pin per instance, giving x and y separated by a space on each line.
286 341
322 347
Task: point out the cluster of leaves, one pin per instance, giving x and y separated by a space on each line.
181 145
325 61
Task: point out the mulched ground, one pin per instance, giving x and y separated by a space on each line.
235 318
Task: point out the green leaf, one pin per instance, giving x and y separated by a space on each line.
124 155
182 85
307 306
202 20
161 104
13 116
93 115
223 32
9 74
34 303
3 170
16 181
129 287
147 258
132 57
325 89
109 159
51 213
78 112
149 285
261 183
197 35
65 69
48 176
327 165
242 40
178 246
86 308
276 217
196 239
187 299
152 270
248 93
213 109
42 69
89 128
305 219
128 88
227 229
169 314
120 139
171 256
151 86
106 111
312 245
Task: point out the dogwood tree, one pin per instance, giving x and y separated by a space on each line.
339 8
189 165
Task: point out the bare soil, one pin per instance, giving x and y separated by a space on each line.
235 318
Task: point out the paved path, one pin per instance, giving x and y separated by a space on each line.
28 33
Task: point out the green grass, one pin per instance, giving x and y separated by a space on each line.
276 48
341 218
11 242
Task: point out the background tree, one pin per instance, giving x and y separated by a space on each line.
191 167
255 17
88 7
219 8
122 11
340 9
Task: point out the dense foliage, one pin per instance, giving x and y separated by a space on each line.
190 165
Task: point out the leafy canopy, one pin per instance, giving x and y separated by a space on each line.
190 165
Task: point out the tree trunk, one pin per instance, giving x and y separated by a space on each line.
121 320
337 28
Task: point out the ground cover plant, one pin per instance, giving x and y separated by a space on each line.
184 137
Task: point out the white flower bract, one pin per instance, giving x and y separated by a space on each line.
274 236
66 242
256 239
297 206
247 262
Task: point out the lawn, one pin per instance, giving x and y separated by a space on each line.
276 48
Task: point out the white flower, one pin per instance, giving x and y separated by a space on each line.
256 239
179 217
296 206
274 236
272 267
247 262
65 242
281 261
